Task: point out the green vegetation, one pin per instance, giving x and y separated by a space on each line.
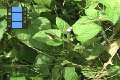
65 40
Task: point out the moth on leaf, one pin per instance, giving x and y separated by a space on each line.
51 36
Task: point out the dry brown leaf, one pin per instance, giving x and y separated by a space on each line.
112 49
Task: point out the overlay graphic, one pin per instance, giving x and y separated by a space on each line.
17 17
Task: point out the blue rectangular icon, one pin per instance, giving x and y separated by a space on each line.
16 24
16 9
17 17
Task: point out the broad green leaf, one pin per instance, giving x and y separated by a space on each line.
56 72
91 41
92 13
40 8
91 3
34 14
112 16
70 74
3 10
61 24
25 35
112 10
2 28
89 32
43 60
51 37
117 10
118 1
17 78
82 20
85 29
109 3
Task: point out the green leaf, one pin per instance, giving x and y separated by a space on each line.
61 24
102 16
92 13
37 10
89 72
34 14
114 69
56 72
17 78
40 8
109 3
22 52
96 51
70 74
85 29
117 9
44 2
112 10
25 35
16 4
3 10
12 53
51 37
83 20
92 3
112 15
91 41
43 60
2 28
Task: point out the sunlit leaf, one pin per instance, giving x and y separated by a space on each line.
70 74
85 29
51 37
2 28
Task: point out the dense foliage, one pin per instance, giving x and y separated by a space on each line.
65 40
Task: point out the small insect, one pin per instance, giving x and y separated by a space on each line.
51 36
